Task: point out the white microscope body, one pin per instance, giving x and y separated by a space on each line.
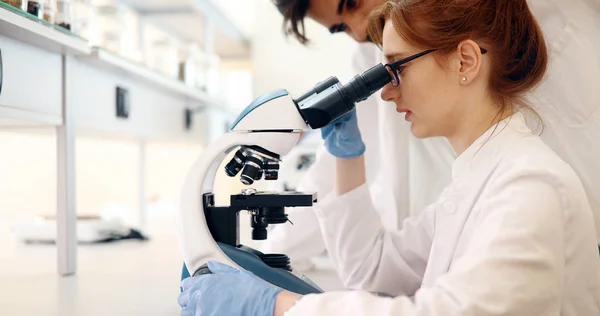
276 125
266 131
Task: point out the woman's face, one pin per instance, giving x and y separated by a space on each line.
429 88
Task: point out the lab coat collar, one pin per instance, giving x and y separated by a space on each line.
489 148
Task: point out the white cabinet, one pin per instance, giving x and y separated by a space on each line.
31 82
153 113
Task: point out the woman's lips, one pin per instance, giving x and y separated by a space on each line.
407 115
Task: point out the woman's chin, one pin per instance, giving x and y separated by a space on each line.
418 131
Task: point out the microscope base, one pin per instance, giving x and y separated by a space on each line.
249 259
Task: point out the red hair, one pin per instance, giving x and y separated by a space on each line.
505 28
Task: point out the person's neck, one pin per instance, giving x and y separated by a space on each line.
476 122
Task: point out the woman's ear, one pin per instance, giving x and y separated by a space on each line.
470 61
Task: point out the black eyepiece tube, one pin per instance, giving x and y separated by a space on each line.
330 100
318 88
363 86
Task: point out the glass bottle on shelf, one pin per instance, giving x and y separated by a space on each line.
212 74
201 71
130 34
49 10
188 64
35 8
64 14
83 21
159 50
109 28
166 56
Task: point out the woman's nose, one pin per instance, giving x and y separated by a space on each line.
390 93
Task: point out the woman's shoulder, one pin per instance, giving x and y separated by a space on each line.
531 158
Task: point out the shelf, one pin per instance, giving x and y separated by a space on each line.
112 62
187 19
29 29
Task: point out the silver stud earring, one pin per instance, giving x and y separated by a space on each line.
464 78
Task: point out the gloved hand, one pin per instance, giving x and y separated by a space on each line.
228 291
342 137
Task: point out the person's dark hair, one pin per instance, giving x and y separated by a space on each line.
506 28
294 12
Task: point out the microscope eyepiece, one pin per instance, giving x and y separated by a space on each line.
329 100
363 86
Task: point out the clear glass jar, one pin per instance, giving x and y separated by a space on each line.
49 10
165 56
64 14
117 30
189 56
83 19
160 51
130 32
210 70
109 28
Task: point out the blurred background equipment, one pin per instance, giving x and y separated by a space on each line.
104 106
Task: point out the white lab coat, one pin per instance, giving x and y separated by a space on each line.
405 174
512 234
569 98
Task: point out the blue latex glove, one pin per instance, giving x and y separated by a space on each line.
342 137
228 291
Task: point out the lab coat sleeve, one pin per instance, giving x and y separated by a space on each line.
366 255
512 266
378 156
367 113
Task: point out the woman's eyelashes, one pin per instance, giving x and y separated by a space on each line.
338 28
352 5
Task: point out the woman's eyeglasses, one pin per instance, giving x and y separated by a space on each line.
395 68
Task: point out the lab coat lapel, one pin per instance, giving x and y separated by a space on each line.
470 173
452 212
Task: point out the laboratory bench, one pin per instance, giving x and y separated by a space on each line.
51 77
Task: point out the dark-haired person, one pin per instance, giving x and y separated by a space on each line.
405 173
513 232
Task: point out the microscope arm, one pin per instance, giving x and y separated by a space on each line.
197 244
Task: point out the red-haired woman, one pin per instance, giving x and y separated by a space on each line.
513 234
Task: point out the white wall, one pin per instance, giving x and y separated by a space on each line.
281 63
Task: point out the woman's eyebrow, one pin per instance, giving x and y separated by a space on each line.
395 56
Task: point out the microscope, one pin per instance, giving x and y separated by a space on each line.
261 136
